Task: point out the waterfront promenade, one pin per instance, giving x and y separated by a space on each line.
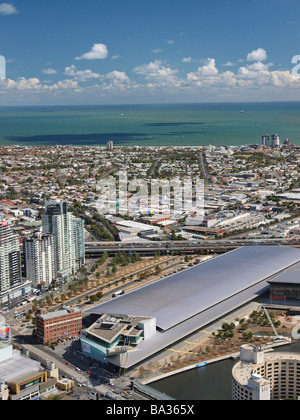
236 355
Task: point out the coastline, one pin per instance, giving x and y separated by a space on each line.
188 124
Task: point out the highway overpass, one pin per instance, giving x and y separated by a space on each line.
95 249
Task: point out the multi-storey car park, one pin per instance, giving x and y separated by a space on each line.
137 325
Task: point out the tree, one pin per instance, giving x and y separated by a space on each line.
158 270
244 327
99 295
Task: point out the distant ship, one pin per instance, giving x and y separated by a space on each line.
242 111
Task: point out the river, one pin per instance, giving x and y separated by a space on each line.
212 382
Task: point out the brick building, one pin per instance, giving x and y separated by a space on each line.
54 326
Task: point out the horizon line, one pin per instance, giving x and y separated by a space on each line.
152 104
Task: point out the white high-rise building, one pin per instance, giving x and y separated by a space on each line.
10 258
266 140
77 225
69 237
40 259
10 265
275 141
110 145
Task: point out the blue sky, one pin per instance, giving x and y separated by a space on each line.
98 51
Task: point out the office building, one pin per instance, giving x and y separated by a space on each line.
266 140
275 141
110 145
77 228
40 259
56 222
68 232
10 258
59 325
10 265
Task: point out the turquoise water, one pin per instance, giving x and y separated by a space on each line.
150 125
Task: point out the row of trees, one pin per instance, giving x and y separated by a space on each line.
255 319
123 259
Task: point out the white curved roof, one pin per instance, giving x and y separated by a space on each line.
177 298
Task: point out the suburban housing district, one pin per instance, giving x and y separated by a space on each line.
99 305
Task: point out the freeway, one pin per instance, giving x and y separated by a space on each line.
94 248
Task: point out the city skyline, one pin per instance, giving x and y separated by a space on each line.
150 214
149 53
134 281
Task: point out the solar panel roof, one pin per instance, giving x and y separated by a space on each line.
179 297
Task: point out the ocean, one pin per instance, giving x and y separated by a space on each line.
150 125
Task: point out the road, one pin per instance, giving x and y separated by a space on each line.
95 248
71 365
203 167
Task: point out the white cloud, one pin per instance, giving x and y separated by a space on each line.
208 70
257 55
98 52
63 85
28 84
25 90
115 82
33 84
253 80
186 60
156 70
81 75
258 67
256 71
247 80
229 64
283 79
118 76
7 9
156 50
49 71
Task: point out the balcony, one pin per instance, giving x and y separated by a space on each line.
118 350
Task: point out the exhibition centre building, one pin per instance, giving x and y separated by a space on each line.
135 326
